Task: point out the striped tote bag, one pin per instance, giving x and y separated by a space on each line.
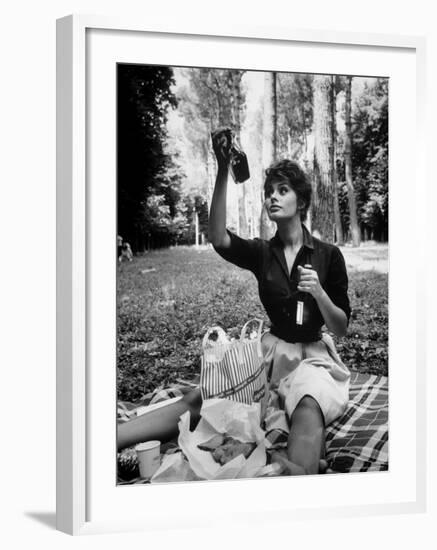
234 370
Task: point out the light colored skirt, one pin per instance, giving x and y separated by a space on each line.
307 369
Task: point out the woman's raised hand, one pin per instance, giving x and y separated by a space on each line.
221 143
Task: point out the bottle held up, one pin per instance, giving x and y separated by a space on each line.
225 143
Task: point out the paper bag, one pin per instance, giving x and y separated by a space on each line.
234 370
223 416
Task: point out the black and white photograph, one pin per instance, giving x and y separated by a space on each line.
252 252
219 306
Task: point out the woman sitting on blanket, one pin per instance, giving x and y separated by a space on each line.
302 285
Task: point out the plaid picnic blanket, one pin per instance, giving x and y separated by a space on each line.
356 442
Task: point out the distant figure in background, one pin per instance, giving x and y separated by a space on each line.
119 247
126 252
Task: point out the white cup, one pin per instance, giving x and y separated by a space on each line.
148 458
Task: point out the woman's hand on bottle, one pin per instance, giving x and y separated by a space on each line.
309 281
221 144
335 318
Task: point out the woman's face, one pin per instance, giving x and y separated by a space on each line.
281 201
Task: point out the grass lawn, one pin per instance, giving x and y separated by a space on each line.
168 298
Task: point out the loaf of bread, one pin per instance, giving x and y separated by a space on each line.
212 443
226 448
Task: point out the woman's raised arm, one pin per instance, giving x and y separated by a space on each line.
217 233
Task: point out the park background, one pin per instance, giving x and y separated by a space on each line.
28 359
334 126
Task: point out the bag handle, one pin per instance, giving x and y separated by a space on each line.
208 333
260 326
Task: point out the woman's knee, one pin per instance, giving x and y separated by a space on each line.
308 402
307 406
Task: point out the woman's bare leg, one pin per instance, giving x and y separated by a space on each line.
161 424
306 441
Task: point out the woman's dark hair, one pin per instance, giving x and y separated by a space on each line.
289 171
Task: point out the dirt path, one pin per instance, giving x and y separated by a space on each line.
367 257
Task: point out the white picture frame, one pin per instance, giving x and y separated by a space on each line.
76 399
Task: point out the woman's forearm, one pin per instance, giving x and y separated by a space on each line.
217 216
335 318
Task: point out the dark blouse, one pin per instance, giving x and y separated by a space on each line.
278 288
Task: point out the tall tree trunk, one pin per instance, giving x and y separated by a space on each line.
323 203
337 217
196 228
242 211
236 104
269 144
289 144
210 171
354 228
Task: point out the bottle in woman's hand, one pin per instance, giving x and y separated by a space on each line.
239 165
302 311
221 144
228 153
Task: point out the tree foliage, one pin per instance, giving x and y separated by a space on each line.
166 165
295 114
370 158
148 178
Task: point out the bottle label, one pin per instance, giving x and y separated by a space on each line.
299 313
